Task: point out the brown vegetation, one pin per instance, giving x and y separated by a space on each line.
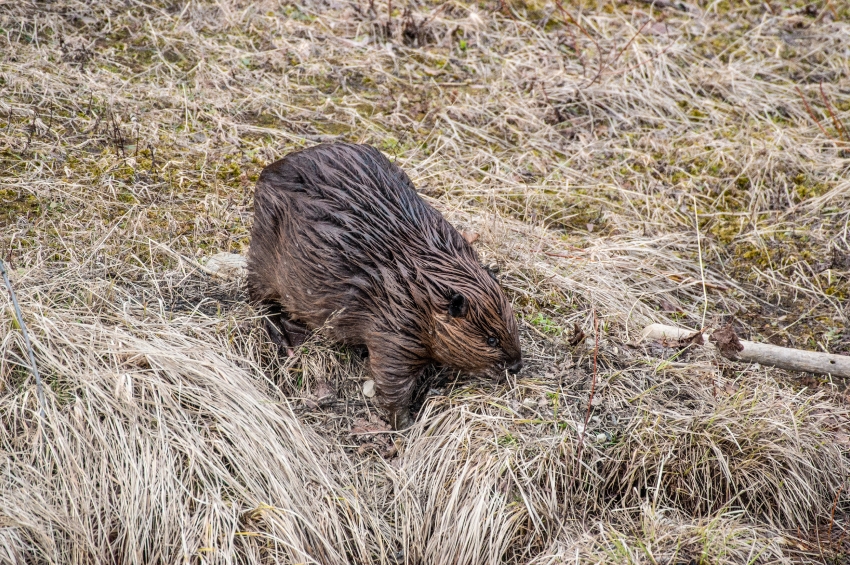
622 161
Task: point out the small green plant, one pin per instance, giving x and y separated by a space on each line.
546 324
508 440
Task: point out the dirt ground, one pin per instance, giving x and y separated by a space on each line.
623 162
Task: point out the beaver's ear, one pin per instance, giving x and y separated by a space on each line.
458 306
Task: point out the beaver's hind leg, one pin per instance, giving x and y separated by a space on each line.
283 332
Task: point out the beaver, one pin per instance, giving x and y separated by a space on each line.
340 236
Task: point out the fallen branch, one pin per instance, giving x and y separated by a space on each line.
728 344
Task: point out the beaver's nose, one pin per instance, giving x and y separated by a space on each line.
515 368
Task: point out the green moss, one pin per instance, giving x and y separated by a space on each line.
726 227
805 188
292 11
839 291
389 144
559 210
678 176
508 440
15 204
228 171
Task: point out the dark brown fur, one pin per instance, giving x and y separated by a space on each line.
340 236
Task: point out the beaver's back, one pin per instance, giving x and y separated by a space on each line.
340 228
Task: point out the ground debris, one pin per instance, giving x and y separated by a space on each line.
374 435
650 163
727 341
578 335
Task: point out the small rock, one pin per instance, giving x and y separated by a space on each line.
226 265
323 138
470 236
369 388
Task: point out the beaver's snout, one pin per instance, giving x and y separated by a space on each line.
515 368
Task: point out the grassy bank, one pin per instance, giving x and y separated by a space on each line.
622 162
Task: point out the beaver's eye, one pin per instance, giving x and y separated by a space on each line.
492 341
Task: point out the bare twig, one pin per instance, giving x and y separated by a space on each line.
832 515
812 114
701 265
581 28
22 324
839 127
592 389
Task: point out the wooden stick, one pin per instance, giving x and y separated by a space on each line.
766 354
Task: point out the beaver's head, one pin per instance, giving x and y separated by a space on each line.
475 330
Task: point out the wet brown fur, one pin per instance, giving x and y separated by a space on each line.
340 234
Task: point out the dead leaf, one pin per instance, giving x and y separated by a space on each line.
657 28
695 339
578 335
727 341
365 428
387 452
370 437
666 306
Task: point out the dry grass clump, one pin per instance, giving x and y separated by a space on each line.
751 446
163 446
506 462
480 488
622 162
663 536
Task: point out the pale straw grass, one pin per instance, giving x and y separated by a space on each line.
621 162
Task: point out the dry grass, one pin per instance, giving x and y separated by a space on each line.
620 160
